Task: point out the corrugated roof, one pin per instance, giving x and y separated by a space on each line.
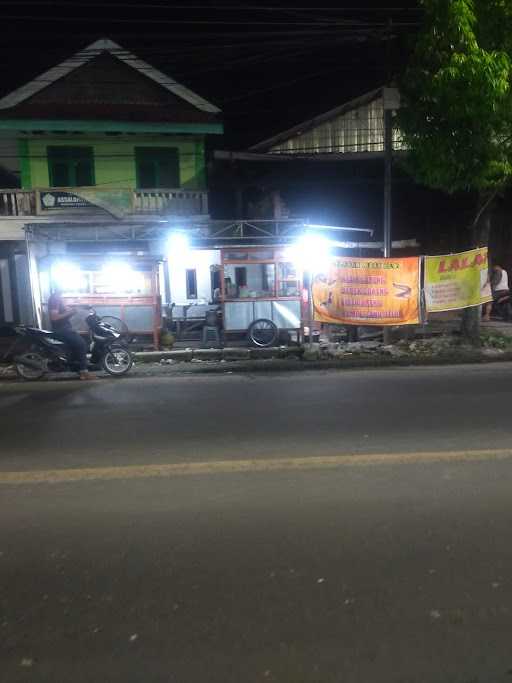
305 126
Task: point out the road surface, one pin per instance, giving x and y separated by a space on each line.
301 528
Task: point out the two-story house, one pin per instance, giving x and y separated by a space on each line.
99 153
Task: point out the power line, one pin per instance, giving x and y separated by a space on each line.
221 8
258 58
283 84
185 50
264 48
202 22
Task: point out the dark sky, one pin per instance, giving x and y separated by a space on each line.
268 65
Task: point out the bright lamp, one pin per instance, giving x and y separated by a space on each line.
67 276
311 252
178 245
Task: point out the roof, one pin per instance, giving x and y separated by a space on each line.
105 81
305 126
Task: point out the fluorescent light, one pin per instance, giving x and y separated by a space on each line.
178 245
68 276
119 276
311 252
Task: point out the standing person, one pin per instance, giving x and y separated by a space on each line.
499 285
60 315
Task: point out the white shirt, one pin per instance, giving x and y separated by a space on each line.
503 283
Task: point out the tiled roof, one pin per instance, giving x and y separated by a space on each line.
108 87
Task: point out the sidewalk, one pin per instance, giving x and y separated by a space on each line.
440 345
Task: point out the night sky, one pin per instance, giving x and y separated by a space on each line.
268 65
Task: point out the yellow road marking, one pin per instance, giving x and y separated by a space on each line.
253 465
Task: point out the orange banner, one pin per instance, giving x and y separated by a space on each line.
363 291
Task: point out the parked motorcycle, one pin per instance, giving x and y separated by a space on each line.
502 307
42 352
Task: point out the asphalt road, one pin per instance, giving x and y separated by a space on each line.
187 418
367 539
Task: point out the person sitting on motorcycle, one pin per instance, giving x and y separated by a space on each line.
60 315
499 285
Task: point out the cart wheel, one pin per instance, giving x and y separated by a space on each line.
262 332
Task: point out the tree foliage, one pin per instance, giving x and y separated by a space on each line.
456 116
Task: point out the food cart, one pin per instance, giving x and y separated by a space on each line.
260 293
126 289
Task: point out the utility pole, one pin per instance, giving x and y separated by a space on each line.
388 161
389 96
391 99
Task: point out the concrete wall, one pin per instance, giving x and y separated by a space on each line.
11 229
201 261
15 294
114 159
6 293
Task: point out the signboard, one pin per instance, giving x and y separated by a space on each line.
62 200
457 280
117 202
365 291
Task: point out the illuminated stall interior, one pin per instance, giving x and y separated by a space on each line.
125 288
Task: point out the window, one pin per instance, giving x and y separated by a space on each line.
254 281
191 278
241 277
157 167
215 282
289 284
70 166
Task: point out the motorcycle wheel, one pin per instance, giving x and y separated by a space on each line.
117 361
29 373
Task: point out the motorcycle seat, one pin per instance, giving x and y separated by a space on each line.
36 330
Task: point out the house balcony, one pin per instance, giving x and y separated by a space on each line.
118 202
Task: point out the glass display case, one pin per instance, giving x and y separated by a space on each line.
260 283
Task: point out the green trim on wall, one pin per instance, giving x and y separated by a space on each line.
200 165
109 126
25 170
114 157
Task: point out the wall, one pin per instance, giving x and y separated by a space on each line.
114 158
6 302
12 229
201 260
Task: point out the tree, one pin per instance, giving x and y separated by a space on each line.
456 116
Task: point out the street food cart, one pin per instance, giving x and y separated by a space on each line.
126 289
260 293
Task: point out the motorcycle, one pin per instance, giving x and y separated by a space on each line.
502 307
42 352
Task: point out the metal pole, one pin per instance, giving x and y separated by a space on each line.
388 160
310 307
31 283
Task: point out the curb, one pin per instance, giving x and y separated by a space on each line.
227 354
294 364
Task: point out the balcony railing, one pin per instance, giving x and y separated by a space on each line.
17 203
171 202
